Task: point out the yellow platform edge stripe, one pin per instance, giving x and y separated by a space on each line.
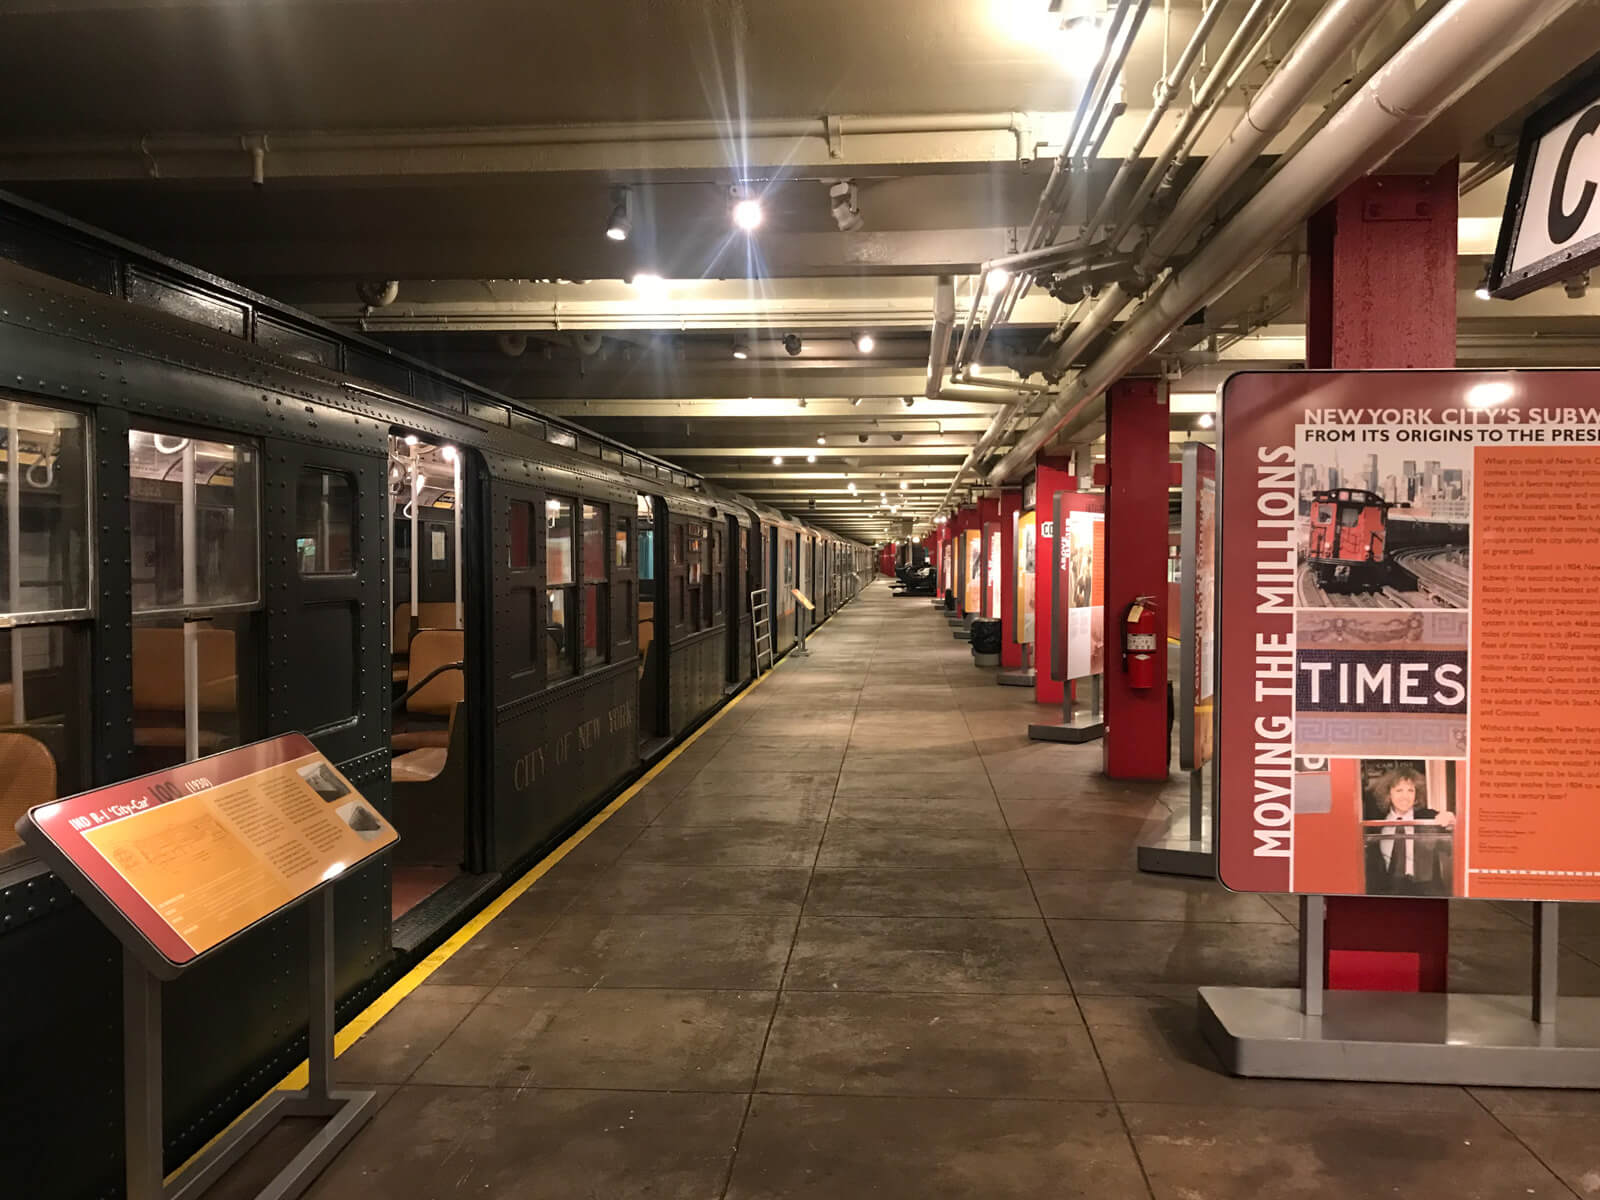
418 975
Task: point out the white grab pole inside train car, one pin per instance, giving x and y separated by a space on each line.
416 548
191 597
19 703
454 456
323 522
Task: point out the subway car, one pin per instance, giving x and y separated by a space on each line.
1347 547
489 622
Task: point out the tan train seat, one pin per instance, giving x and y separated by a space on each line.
158 702
437 698
430 615
27 777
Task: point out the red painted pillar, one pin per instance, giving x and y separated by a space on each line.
1051 476
1382 293
1137 454
1010 505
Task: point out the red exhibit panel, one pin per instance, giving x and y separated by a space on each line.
1405 677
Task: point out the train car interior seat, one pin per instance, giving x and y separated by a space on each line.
27 778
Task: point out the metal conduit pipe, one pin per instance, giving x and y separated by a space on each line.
1448 56
1336 29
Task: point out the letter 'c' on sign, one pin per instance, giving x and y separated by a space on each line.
1564 224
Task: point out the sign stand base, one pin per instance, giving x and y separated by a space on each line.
1309 1032
1073 729
346 1111
1026 677
1183 852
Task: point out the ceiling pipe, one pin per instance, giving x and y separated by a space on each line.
1450 55
1335 31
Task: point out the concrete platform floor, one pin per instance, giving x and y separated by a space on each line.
864 939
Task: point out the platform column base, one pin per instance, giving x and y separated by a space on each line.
1023 678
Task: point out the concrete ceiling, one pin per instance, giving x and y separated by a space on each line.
470 151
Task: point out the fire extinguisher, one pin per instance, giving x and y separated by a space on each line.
1140 628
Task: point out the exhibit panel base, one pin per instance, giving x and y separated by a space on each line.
1181 856
1403 1037
1184 846
1087 731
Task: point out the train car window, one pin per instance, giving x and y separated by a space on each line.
622 545
717 576
561 437
647 540
679 533
1350 516
560 583
589 447
531 426
596 592
611 455
693 611
325 510
520 529
193 517
44 512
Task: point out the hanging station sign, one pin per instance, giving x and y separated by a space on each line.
1551 228
1405 670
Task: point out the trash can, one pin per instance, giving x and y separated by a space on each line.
986 641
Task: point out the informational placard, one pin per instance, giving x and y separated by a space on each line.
180 861
805 603
1078 649
1026 545
972 561
1198 593
1407 667
946 571
991 574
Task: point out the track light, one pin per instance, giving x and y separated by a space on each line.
620 226
741 350
846 206
866 343
747 214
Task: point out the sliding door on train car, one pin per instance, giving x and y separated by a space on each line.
437 691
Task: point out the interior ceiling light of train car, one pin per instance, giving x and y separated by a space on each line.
620 226
747 214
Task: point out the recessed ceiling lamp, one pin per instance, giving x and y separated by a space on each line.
822 439
747 214
904 485
777 460
852 487
811 458
741 350
866 343
620 226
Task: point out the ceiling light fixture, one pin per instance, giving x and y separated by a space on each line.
793 345
866 343
811 458
1482 290
822 439
852 487
996 280
856 403
904 485
741 350
620 226
777 460
1205 421
747 214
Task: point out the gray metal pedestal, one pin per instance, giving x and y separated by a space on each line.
1076 734
1403 1037
1026 677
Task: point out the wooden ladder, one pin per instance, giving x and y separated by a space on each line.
761 623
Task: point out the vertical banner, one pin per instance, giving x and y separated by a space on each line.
1406 665
1198 606
972 560
1078 596
1026 529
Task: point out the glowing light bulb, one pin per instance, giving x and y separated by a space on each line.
747 215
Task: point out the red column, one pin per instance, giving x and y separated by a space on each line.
1137 454
1382 293
1010 505
1050 477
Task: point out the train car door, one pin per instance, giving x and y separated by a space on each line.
653 636
442 701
